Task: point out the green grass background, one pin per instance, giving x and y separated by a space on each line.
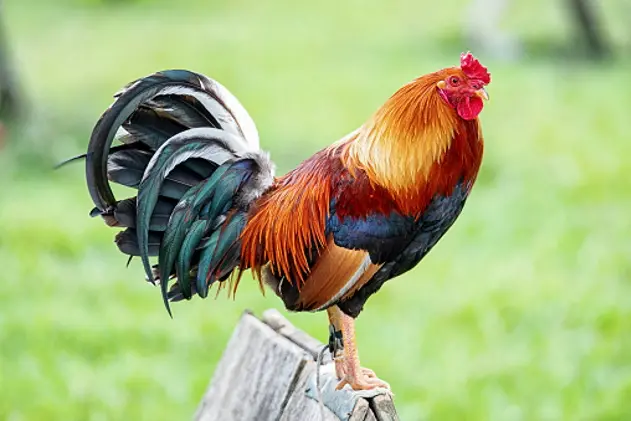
522 312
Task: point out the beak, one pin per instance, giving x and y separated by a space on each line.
482 94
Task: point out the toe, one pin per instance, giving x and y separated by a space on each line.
341 384
378 383
368 373
362 383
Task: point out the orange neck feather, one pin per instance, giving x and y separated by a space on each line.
399 144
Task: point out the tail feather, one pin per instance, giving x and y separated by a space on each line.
131 107
127 242
191 150
183 217
207 253
129 143
208 200
186 255
222 255
127 168
185 111
151 128
211 144
125 214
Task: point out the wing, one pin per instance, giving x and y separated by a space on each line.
356 251
434 222
357 247
381 236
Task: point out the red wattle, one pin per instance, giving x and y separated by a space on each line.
469 107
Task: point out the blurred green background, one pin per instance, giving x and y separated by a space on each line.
522 312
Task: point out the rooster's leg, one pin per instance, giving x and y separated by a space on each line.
347 365
336 344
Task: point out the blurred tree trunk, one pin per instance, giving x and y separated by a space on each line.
11 100
588 22
482 28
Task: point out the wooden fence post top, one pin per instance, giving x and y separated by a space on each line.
268 372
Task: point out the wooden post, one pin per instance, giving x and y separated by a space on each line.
268 372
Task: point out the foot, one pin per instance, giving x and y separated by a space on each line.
347 366
340 370
365 380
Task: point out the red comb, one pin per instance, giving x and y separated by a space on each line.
473 69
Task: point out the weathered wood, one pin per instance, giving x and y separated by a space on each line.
253 379
300 407
268 372
383 408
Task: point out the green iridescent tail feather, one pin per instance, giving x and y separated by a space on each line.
191 150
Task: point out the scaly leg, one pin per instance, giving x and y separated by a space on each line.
336 341
347 365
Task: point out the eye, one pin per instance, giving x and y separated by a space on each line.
454 81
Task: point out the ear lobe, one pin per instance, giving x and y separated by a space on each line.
444 96
441 84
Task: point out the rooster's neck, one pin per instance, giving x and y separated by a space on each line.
405 138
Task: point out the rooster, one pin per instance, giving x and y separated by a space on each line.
325 236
